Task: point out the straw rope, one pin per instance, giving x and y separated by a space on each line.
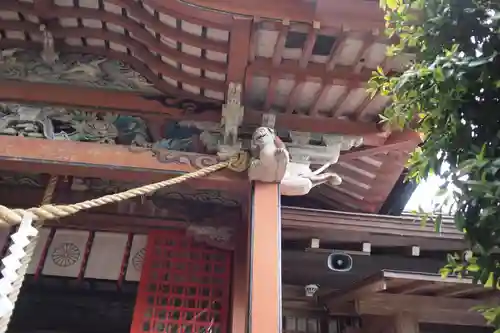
9 216
47 211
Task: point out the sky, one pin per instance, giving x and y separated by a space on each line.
424 195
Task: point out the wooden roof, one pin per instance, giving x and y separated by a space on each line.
288 67
309 70
429 297
366 181
301 224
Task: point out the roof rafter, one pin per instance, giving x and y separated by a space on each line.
376 295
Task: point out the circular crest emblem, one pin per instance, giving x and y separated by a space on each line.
65 255
138 259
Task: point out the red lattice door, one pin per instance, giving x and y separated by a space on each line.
184 287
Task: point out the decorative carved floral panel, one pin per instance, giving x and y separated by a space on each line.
64 123
72 68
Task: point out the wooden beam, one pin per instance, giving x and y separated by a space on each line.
406 140
309 45
335 110
103 161
315 124
312 71
91 98
320 97
279 47
360 14
335 50
371 285
270 93
460 291
194 14
140 105
293 96
265 269
43 8
429 309
436 278
239 49
138 216
379 230
411 287
295 10
115 223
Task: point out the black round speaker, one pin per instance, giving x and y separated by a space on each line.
339 262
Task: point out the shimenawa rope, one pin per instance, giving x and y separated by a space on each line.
9 216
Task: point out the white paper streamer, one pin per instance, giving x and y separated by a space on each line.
12 262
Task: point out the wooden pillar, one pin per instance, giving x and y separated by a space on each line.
265 262
241 277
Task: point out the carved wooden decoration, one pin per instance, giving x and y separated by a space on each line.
271 163
177 59
73 68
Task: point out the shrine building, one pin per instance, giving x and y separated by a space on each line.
289 214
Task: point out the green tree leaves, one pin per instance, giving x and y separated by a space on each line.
452 95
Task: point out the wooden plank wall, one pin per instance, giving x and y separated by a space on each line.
301 314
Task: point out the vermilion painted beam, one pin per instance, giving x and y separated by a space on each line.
239 49
135 103
295 10
135 218
101 161
111 100
313 72
358 14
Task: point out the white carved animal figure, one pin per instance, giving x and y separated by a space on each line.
271 163
269 157
294 184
